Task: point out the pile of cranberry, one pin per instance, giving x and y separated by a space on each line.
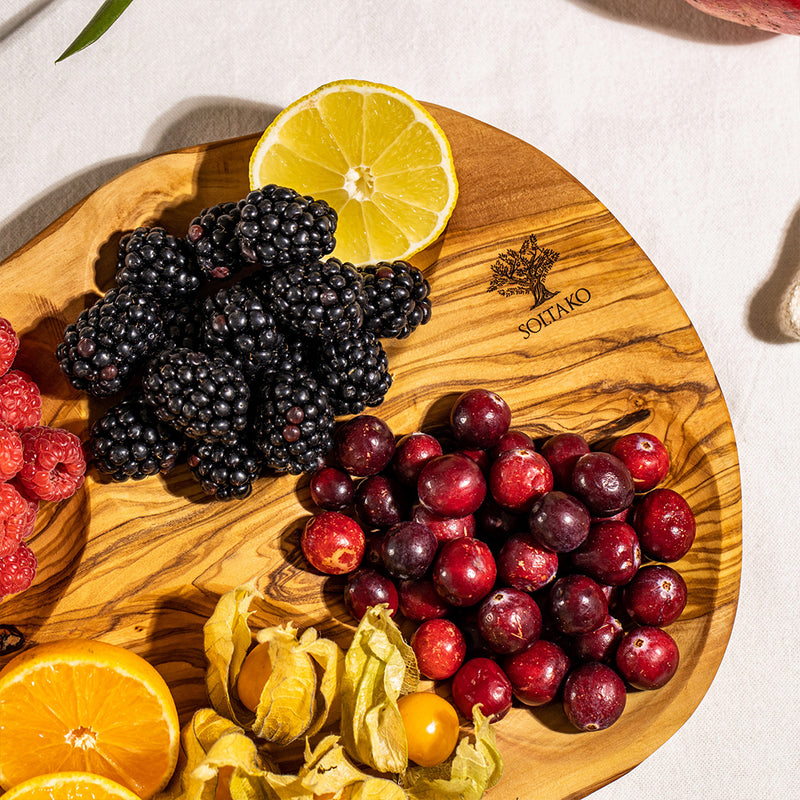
521 567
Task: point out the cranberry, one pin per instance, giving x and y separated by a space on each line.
610 554
559 521
480 457
646 458
524 564
509 620
444 528
562 451
333 543
332 489
419 601
479 418
517 478
599 644
512 439
439 647
367 587
480 681
408 549
656 595
536 674
577 604
380 502
364 445
496 524
464 571
467 622
412 453
594 697
647 657
665 524
602 482
451 485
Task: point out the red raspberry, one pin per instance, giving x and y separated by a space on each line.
54 463
14 523
17 570
20 401
9 344
10 452
30 514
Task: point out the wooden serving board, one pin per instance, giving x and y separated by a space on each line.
611 351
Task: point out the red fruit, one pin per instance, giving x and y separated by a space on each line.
777 16
464 571
367 587
412 453
577 604
536 674
656 595
333 543
479 418
10 452
20 400
599 644
526 565
54 464
408 549
480 457
17 570
9 344
559 521
602 483
14 518
509 620
647 657
512 439
364 445
610 554
439 647
665 525
562 451
480 681
419 601
444 528
517 478
451 485
496 524
645 457
332 489
594 697
380 502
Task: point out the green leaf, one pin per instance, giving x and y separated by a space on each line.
105 17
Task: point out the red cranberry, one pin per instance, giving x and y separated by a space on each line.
517 478
333 543
444 528
367 587
602 483
364 445
331 489
496 524
536 674
479 418
512 439
380 502
509 620
665 524
464 571
480 457
559 521
562 451
647 657
408 549
610 554
594 697
599 644
645 457
524 564
451 485
419 601
577 604
656 595
412 453
439 647
480 681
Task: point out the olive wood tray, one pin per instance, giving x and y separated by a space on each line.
539 294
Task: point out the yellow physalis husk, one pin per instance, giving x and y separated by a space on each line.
474 768
379 667
330 660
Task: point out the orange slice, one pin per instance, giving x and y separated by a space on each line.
83 706
69 785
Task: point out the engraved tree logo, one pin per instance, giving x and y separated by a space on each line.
523 271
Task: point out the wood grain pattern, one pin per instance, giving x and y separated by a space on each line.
142 565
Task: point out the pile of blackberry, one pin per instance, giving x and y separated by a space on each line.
233 347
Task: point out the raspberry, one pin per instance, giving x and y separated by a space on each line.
9 344
17 570
14 510
30 515
20 400
54 463
10 452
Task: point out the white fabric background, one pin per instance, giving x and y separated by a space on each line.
687 128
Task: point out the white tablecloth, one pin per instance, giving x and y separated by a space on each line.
685 127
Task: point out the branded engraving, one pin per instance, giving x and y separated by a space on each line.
554 313
523 272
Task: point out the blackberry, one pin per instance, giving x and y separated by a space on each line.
279 227
200 396
355 370
396 299
108 342
158 262
318 300
183 322
224 471
238 326
293 422
212 236
128 442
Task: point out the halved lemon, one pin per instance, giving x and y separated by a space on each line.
71 785
78 705
375 155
